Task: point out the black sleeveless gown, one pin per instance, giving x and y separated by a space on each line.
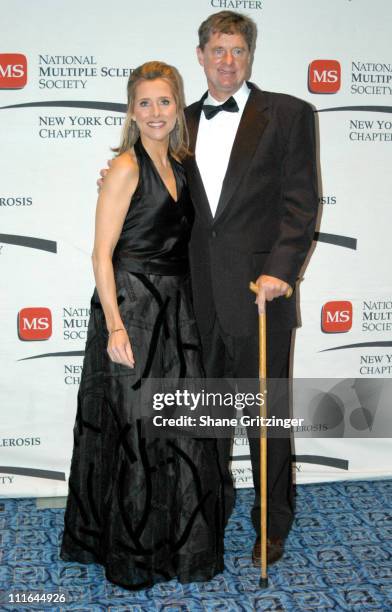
147 509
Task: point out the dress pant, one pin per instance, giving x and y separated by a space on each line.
237 357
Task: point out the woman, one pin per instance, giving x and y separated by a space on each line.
147 508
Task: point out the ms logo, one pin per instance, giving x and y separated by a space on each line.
324 76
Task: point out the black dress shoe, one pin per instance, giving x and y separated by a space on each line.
275 547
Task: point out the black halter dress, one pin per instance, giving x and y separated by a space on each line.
147 508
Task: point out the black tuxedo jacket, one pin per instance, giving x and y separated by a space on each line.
265 220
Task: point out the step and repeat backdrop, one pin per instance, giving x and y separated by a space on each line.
63 74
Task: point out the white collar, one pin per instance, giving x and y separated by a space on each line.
240 96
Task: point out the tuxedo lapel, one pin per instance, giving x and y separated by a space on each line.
195 182
192 121
250 130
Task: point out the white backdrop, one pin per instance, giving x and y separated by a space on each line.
60 112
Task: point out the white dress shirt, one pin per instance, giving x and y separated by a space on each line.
215 140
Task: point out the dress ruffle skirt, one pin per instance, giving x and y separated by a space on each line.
147 508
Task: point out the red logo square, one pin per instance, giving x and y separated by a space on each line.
336 317
13 70
34 324
324 76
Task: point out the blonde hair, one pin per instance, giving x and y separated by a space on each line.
150 71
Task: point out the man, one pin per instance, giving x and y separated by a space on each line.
253 183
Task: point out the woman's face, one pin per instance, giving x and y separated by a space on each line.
154 110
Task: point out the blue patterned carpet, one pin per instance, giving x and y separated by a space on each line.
338 557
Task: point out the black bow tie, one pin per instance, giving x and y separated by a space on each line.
230 106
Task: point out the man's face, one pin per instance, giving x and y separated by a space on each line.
226 60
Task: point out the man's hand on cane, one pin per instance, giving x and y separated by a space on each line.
269 288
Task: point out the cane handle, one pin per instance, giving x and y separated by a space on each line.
253 287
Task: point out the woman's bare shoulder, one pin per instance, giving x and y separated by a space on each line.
123 172
125 163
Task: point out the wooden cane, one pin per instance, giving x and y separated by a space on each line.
263 436
263 441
